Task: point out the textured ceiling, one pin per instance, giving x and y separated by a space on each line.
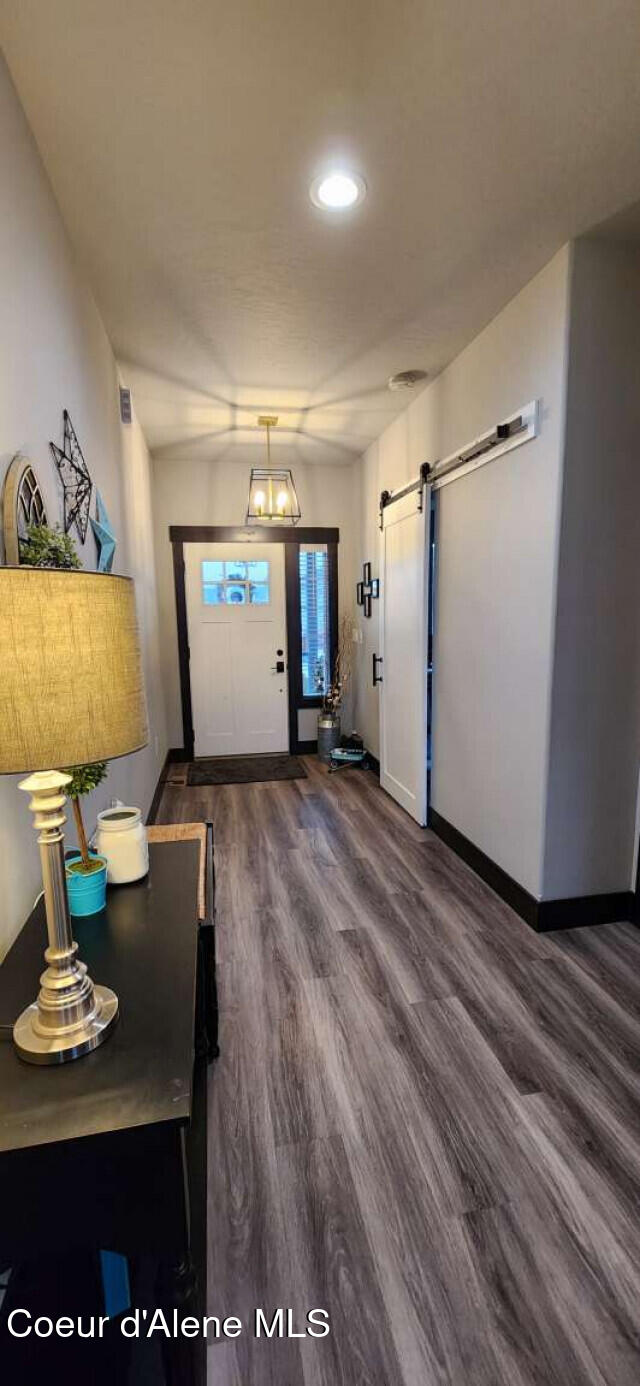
181 136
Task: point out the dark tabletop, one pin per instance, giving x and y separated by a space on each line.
144 946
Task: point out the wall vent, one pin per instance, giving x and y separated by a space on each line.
125 405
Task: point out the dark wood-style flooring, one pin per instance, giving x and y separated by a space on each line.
425 1117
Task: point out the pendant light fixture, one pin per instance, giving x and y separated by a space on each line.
272 492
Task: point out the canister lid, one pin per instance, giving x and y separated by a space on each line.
114 820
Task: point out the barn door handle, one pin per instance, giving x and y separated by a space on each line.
377 678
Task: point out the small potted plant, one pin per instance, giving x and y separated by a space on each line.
329 731
47 547
86 871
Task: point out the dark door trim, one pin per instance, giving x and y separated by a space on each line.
184 653
252 534
636 895
292 538
297 698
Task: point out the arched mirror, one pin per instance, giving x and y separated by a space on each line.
22 505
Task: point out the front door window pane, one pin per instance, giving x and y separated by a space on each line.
236 594
212 571
258 570
235 571
213 593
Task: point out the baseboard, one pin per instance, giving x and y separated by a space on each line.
542 915
176 754
162 778
504 885
585 909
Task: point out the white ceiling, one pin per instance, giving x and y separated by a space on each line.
181 136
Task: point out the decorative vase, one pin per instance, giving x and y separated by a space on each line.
86 894
328 736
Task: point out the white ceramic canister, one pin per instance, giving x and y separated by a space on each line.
121 838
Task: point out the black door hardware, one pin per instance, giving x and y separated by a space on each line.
377 678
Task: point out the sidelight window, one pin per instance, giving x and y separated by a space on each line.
314 619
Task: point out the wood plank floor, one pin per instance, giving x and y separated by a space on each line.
425 1117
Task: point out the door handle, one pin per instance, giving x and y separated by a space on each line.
377 678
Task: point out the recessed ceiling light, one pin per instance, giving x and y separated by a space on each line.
337 191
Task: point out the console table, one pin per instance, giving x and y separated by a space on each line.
109 1152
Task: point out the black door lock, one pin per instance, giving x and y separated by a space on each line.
279 666
377 678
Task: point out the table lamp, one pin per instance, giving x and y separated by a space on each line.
71 692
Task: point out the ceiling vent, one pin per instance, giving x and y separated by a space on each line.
406 380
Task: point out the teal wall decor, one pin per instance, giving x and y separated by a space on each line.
104 536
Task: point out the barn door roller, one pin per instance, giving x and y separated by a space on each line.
388 497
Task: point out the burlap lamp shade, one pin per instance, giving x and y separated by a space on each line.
71 687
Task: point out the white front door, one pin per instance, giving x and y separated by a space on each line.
237 639
403 645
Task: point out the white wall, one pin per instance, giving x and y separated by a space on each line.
54 354
139 555
215 493
595 727
498 537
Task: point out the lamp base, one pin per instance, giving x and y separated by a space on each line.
71 1042
71 1016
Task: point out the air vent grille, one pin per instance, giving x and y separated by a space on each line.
125 405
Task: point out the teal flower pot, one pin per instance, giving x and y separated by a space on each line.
87 894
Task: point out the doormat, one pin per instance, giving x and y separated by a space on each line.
244 769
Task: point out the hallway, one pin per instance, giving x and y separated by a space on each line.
424 1118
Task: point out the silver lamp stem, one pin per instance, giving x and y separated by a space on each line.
49 818
71 1016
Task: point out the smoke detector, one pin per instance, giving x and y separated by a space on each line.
406 380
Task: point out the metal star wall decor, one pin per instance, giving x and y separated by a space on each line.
104 536
76 482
